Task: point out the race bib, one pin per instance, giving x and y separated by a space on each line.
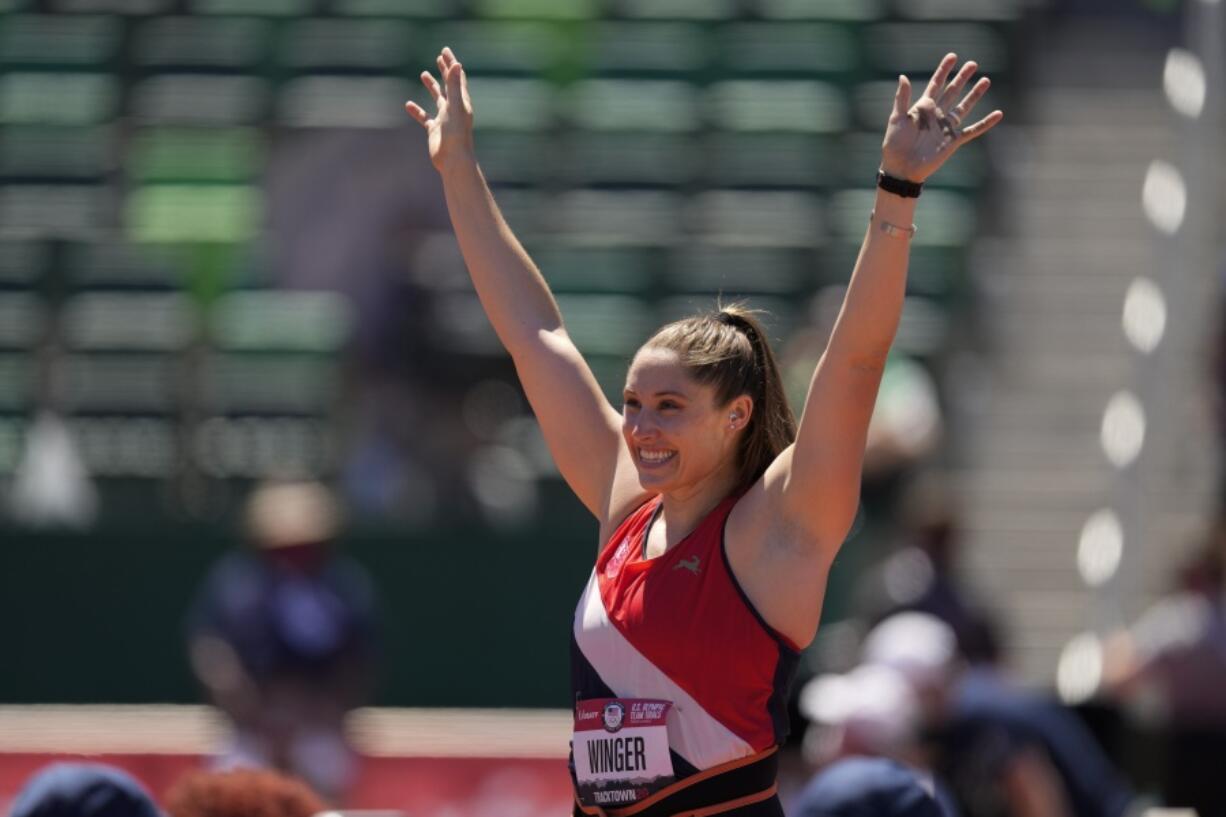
621 750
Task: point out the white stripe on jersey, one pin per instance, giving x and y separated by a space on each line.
692 732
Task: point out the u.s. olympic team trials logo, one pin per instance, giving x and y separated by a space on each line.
614 713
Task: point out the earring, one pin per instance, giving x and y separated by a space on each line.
732 420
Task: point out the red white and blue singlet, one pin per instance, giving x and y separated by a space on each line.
679 627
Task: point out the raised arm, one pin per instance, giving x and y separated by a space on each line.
579 425
819 476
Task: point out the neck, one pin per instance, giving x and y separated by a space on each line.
685 508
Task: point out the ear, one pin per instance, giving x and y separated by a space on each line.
740 409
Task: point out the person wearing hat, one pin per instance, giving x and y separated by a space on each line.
869 787
282 637
83 790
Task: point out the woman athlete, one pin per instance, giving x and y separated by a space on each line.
719 514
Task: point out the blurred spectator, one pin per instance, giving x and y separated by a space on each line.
283 639
1004 752
83 790
1169 670
869 787
921 575
242 793
1172 663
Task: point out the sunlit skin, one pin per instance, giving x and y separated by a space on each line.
682 441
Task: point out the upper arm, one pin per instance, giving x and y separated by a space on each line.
581 428
817 479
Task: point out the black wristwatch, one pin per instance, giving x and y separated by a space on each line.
899 187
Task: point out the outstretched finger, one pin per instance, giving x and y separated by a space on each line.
417 112
454 90
938 76
950 94
432 86
969 101
982 126
448 56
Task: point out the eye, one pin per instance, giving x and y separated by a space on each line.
631 403
669 404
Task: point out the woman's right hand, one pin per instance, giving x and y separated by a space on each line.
450 130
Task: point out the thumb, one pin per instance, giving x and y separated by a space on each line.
902 97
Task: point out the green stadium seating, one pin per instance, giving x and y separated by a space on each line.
256 383
633 105
741 218
60 210
414 9
667 49
116 265
222 43
777 105
176 154
98 382
194 213
537 9
979 10
22 320
609 218
772 160
790 49
23 262
596 269
127 321
847 10
321 45
678 9
71 43
509 157
28 98
509 103
17 393
51 152
281 320
607 325
630 159
710 268
199 99
916 48
344 101
125 7
267 8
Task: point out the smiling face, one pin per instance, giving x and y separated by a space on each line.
678 435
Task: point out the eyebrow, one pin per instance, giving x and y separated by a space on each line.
665 393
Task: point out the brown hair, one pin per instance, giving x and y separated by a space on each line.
242 793
728 349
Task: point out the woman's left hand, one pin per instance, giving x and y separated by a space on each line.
920 137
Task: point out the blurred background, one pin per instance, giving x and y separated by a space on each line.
226 269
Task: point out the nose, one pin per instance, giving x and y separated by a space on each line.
642 426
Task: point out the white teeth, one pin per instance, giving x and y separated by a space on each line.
655 456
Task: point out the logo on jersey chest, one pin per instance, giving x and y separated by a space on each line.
619 557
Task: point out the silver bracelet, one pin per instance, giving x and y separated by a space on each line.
893 230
